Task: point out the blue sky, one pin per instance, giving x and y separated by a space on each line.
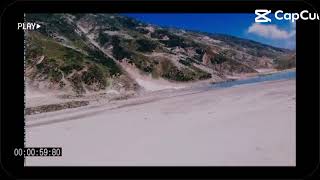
278 33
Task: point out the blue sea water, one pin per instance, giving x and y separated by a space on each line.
261 78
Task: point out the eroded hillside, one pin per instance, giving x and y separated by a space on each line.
80 53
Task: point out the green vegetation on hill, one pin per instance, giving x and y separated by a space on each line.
118 51
103 38
218 59
285 62
96 75
169 71
92 69
146 45
251 47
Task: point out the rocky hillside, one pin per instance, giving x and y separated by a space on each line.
92 52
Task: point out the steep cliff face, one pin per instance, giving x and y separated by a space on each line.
91 52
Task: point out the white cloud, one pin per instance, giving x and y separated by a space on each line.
270 31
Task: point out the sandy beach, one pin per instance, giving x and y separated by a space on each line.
246 125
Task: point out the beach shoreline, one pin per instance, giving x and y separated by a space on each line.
36 99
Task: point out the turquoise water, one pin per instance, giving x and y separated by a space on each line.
261 78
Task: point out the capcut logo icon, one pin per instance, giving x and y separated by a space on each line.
280 15
262 15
